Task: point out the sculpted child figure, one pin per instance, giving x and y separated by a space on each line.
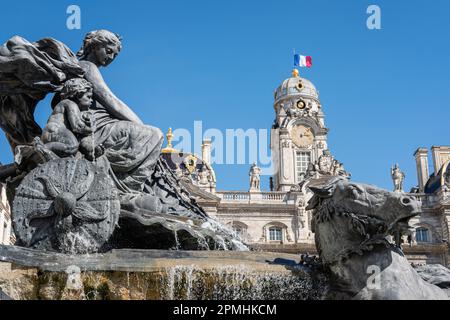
70 125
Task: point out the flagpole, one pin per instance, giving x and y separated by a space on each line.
294 66
293 50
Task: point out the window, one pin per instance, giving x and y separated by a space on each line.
422 235
275 234
238 230
302 162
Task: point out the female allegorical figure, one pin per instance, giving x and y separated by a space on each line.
31 70
131 147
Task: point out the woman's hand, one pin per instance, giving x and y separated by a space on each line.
88 121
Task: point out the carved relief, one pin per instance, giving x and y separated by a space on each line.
325 162
190 162
203 176
285 143
76 207
326 165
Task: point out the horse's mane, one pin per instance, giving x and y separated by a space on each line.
371 229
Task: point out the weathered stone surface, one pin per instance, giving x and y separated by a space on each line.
19 283
66 205
160 274
435 274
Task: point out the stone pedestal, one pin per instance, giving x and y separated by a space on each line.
157 274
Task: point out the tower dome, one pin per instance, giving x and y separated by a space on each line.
295 86
188 166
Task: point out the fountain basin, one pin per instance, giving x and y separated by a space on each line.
157 274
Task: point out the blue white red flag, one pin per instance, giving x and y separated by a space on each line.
302 61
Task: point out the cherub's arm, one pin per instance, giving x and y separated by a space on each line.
73 114
62 148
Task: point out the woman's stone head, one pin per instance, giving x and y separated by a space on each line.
78 90
100 47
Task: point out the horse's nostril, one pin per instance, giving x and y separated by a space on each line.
406 200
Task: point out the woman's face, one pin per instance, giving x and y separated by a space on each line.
105 54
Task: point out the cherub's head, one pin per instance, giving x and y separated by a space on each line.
100 47
78 90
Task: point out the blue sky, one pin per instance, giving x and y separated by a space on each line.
384 92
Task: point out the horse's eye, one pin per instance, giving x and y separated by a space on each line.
357 189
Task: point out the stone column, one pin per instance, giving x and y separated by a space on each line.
275 150
440 156
206 151
286 173
421 156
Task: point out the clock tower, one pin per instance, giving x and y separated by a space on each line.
298 136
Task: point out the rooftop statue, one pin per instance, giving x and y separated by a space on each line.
398 177
255 179
95 165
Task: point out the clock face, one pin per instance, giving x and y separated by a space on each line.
302 136
301 104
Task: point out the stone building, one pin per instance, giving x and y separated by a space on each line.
277 219
429 238
6 234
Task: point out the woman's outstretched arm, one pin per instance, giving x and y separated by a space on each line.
104 95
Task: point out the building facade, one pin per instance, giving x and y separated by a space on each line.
429 238
277 220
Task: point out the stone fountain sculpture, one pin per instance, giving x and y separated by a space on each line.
93 179
351 222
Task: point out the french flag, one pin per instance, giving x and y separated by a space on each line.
302 61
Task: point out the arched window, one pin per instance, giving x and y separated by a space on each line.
422 235
275 234
237 229
240 228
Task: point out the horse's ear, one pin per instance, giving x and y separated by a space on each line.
322 192
312 203
324 187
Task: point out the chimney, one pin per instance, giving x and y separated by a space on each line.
421 156
206 151
440 156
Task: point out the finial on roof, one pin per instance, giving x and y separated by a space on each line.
169 137
169 148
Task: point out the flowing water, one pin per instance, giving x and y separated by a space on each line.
189 282
177 242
